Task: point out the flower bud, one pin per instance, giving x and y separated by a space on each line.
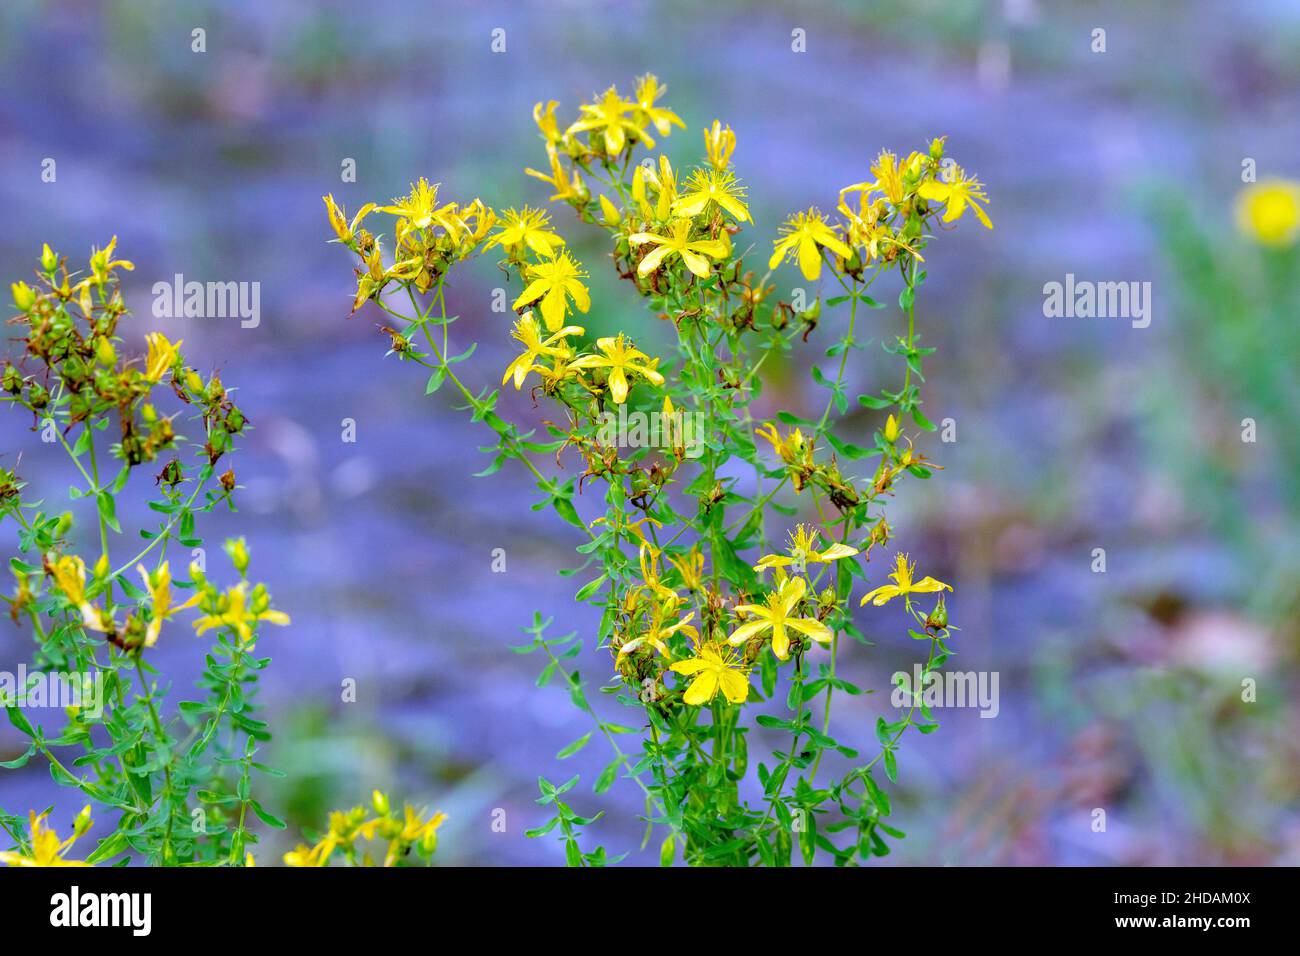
891 430
237 549
380 802
609 211
83 822
938 618
105 354
24 295
102 566
48 259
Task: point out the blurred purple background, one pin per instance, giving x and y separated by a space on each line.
1118 690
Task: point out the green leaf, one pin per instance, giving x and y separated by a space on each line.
574 747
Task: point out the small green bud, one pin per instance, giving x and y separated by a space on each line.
104 352
49 261
237 549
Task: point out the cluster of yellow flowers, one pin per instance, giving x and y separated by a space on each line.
791 610
237 608
405 832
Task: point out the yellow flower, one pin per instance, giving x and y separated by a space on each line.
159 586
528 334
658 631
70 575
102 262
802 552
555 281
691 567
903 584
719 144
647 91
961 192
802 234
715 667
45 847
420 209
665 184
415 829
316 856
622 359
692 252
775 616
526 227
712 186
564 188
544 117
609 116
233 612
343 229
793 449
1269 212
161 357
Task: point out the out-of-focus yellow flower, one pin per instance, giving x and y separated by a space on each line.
235 612
802 235
648 90
24 295
1269 211
555 281
692 252
717 186
102 262
803 552
544 117
70 575
961 192
615 119
658 630
558 178
776 615
344 229
719 144
526 227
529 335
415 830
304 856
715 667
622 359
44 846
161 357
159 586
903 584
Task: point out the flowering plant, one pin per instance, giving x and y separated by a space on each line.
178 782
708 614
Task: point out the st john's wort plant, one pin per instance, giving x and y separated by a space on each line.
715 600
170 781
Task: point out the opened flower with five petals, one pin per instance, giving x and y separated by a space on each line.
802 552
555 281
804 235
903 584
776 615
716 186
526 227
692 252
958 193
609 117
715 667
529 335
622 358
